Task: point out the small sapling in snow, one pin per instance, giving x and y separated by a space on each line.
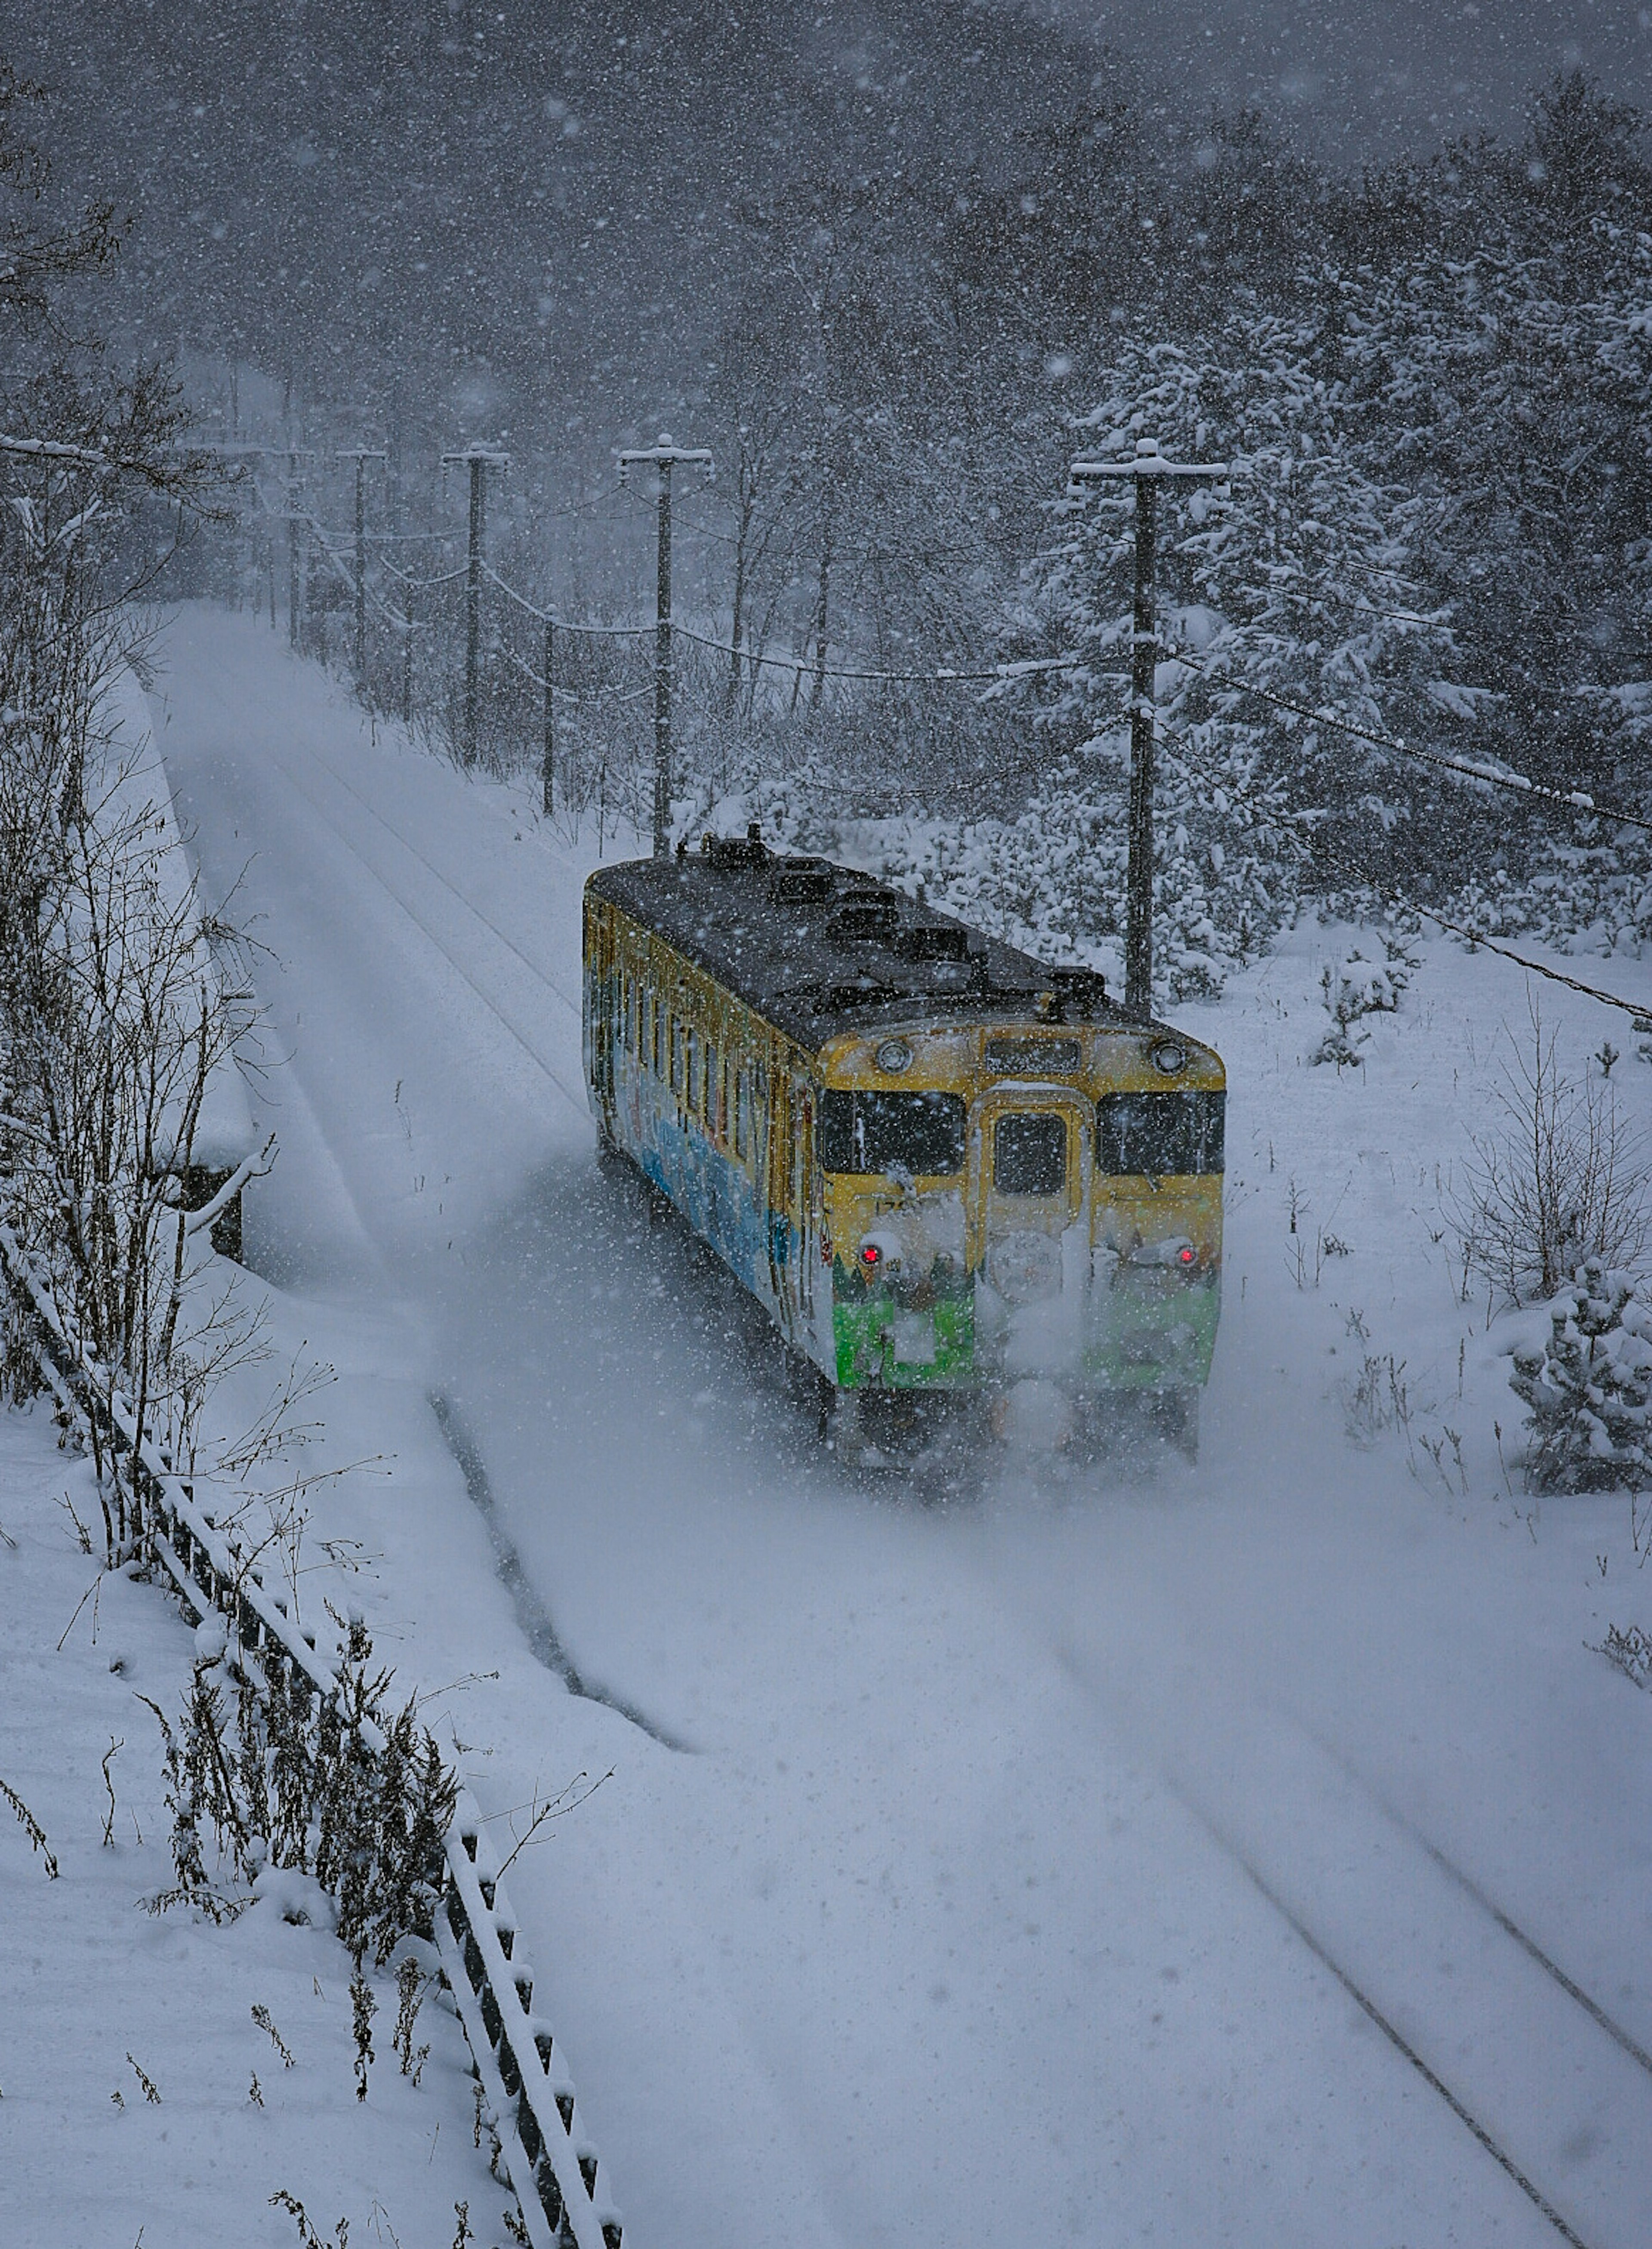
108 1759
261 2016
1629 1649
307 2235
363 2007
32 1829
411 1984
1566 1180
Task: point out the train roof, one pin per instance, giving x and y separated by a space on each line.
820 950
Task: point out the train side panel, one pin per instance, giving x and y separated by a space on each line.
717 1109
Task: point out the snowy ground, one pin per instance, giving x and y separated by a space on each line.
973 1867
97 1994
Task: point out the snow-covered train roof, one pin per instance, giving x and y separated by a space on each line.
820 950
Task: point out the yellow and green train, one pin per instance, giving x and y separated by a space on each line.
944 1166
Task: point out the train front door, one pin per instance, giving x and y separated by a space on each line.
1029 1157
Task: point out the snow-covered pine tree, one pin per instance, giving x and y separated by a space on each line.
1589 1388
1292 580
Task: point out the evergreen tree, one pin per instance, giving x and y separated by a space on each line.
1590 1388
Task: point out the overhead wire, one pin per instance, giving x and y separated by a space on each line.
1388 890
1573 800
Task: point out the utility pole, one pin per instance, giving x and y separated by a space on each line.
549 765
406 656
1146 470
664 454
360 454
479 459
294 454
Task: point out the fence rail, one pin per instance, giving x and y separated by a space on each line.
551 2167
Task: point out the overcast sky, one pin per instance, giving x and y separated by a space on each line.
1369 81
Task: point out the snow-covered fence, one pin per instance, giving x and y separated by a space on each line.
551 2167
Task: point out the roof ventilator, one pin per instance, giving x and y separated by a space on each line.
932 940
747 851
1074 995
863 921
803 882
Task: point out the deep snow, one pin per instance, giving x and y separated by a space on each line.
917 1904
94 1988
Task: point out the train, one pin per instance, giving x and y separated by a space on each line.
945 1168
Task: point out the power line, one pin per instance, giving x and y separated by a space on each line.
1394 897
1575 800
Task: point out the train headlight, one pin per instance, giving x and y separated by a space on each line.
1169 1057
894 1056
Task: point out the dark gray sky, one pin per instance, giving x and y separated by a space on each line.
1360 82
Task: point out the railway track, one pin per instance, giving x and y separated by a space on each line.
1553 2091
576 1101
1531 2064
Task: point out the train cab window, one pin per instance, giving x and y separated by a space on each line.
1161 1135
1029 1154
922 1133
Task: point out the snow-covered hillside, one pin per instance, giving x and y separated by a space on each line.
979 1865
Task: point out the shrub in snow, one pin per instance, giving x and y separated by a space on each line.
287 1782
1566 1181
1357 988
1589 1388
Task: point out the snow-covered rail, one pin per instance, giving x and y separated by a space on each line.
552 2168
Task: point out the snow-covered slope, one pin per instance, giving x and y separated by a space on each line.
975 1867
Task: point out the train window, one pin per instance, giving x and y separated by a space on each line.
691 1040
1036 1057
654 1010
1161 1135
676 1055
740 1113
1029 1154
710 1085
922 1133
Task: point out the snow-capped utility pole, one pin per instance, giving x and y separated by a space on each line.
664 455
548 762
1147 468
294 454
479 459
360 454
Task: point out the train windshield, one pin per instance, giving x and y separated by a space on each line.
1161 1135
922 1133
